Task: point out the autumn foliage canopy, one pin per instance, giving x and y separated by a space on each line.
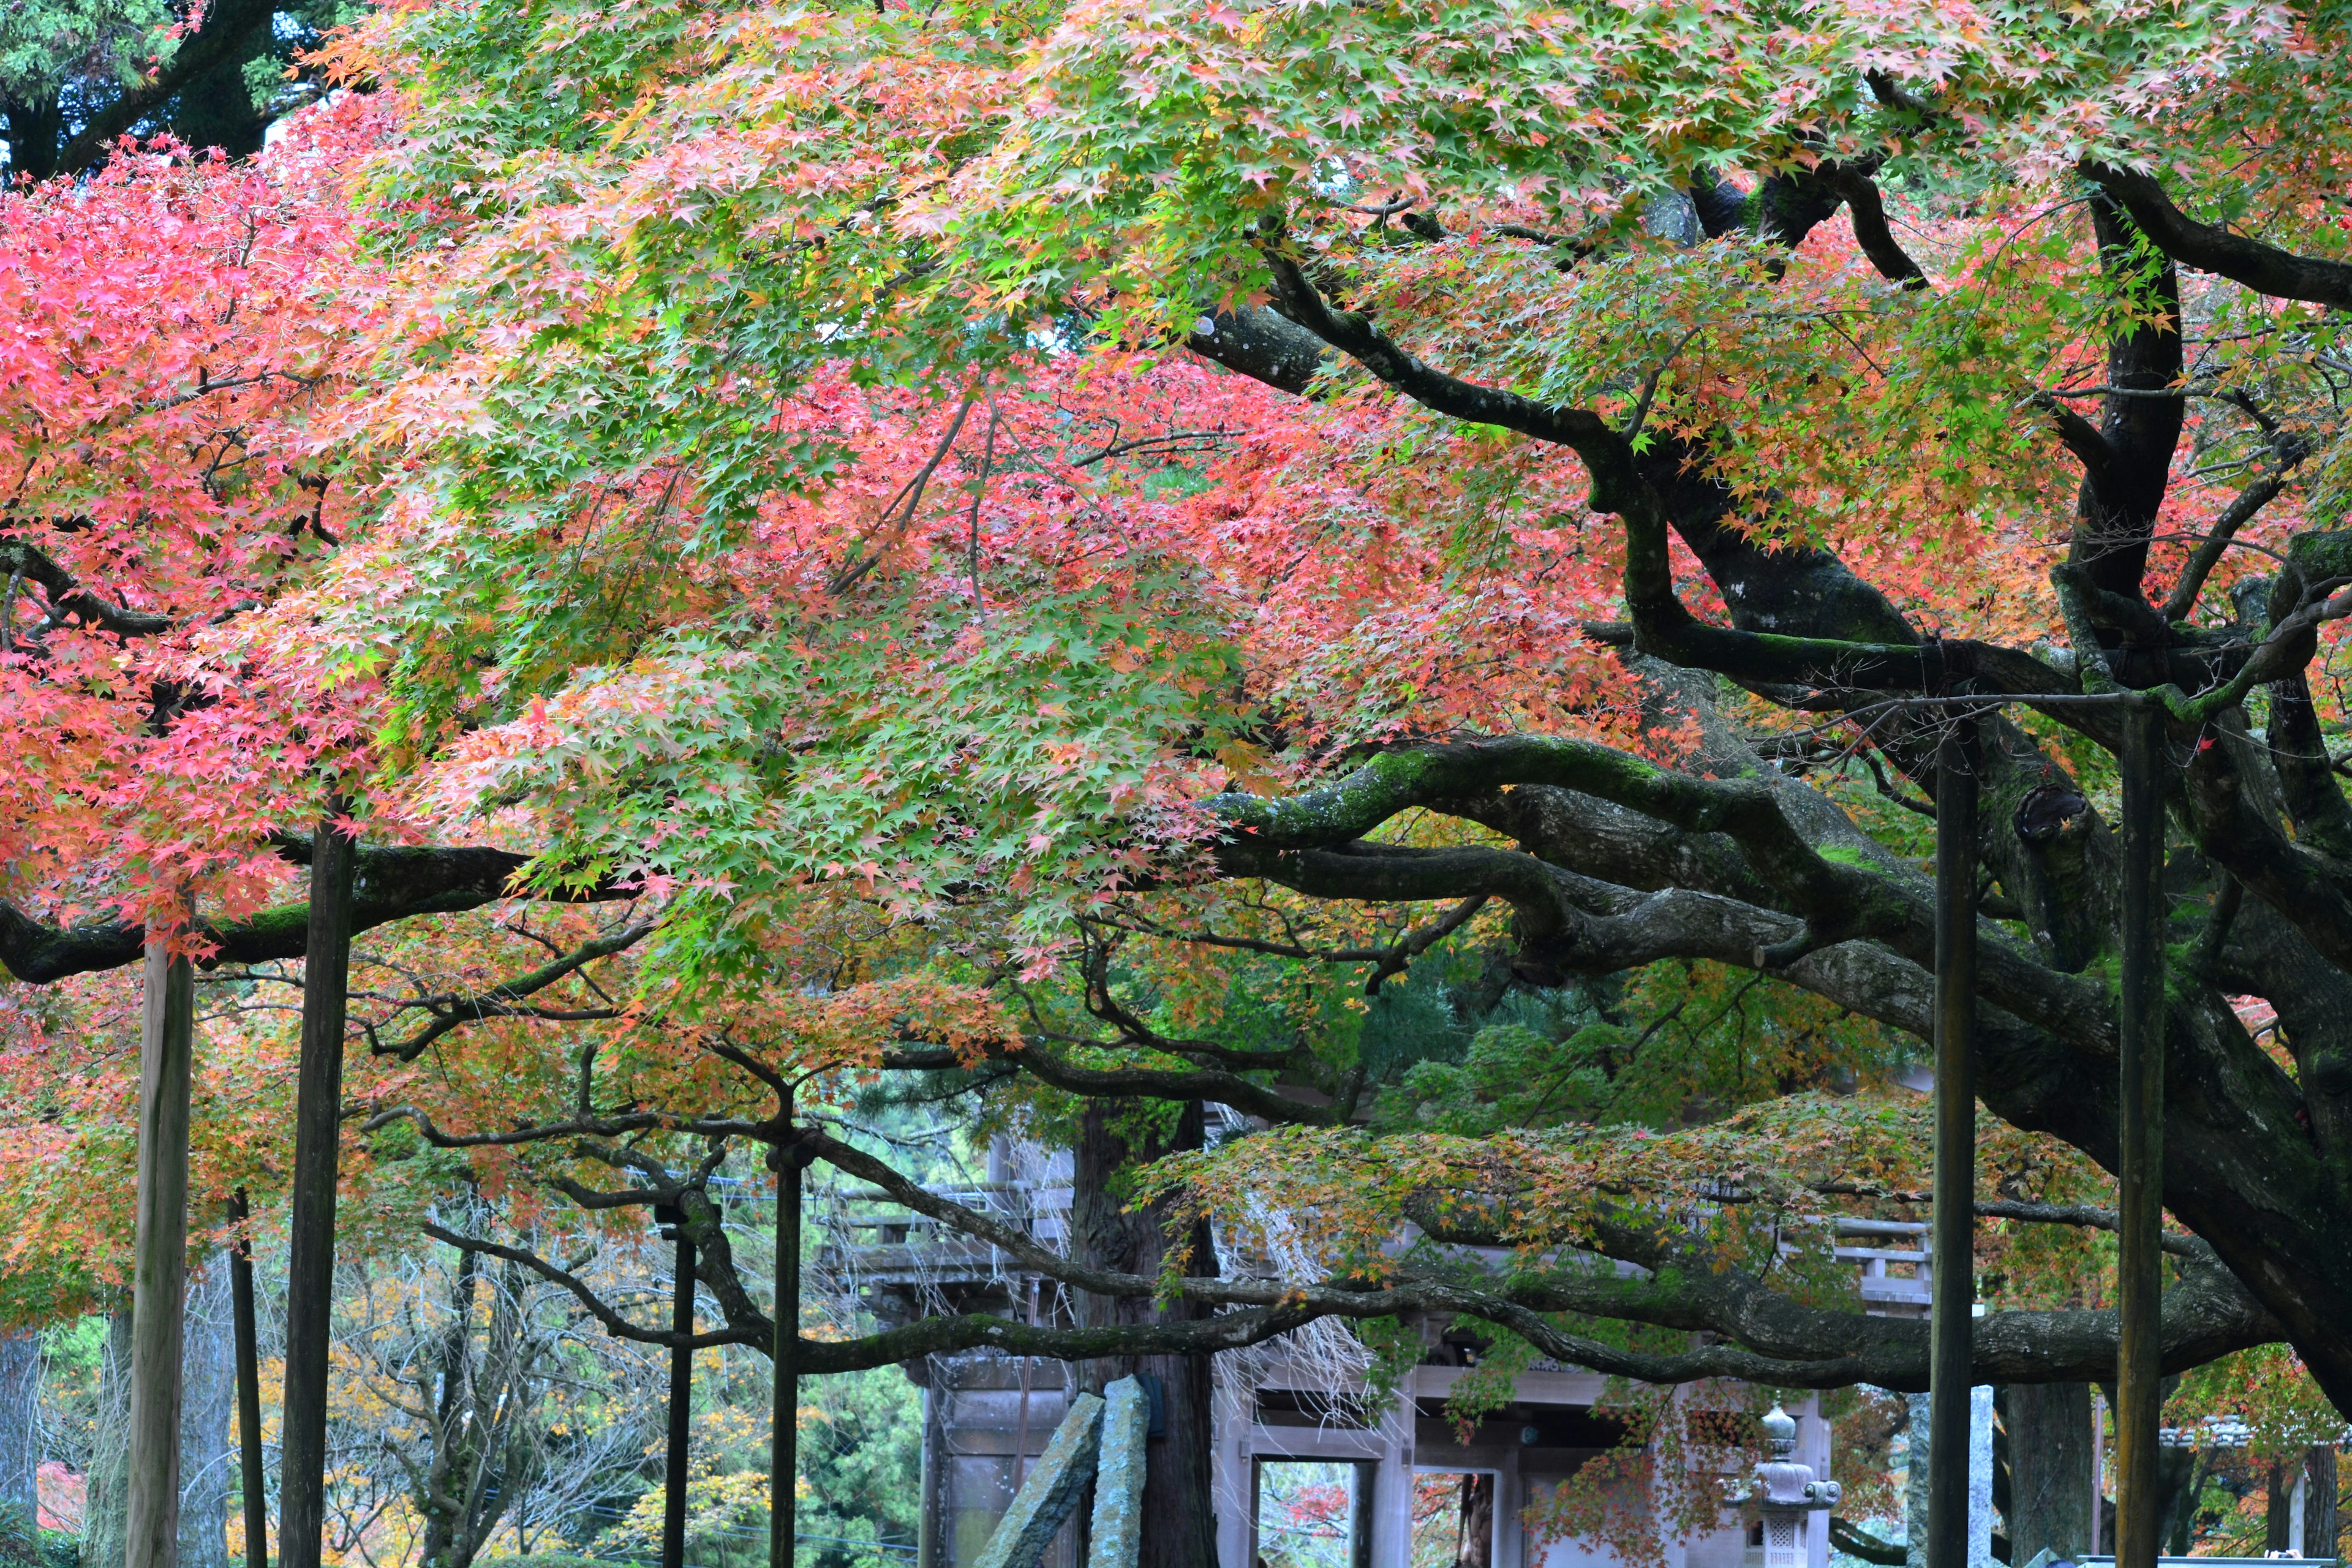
1367 565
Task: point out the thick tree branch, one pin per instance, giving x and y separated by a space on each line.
1855 1542
2077 434
1836 900
1781 1339
68 597
394 883
1870 228
1662 625
2265 269
1262 346
2216 542
1212 1084
615 1125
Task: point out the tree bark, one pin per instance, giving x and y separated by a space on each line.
1178 1492
456 1434
103 1498
681 1408
167 1031
1475 1542
2048 1428
20 1397
310 1266
2278 1507
207 1457
2181 1476
2321 1522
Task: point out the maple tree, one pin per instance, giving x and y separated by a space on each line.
1036 541
772 316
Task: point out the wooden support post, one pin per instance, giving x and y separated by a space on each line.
251 1479
2139 1150
935 1460
681 1406
310 1219
160 1279
1953 1305
783 1416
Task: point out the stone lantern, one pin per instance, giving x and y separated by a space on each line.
1787 1497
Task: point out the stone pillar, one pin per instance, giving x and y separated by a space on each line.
1814 1448
1116 1540
1914 1491
1233 1477
1392 1482
934 1461
1050 1494
1980 1476
1980 1510
1510 1504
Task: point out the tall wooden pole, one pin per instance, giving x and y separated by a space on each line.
160 1280
310 1266
248 1392
2139 1152
1952 1307
681 1402
783 1416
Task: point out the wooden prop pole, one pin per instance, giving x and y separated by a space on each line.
1953 1303
160 1279
248 1392
310 1218
2140 1141
783 1418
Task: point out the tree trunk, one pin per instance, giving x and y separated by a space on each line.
310 1266
204 1456
1178 1494
2278 1511
489 1390
1477 1539
455 1435
2050 1480
207 1456
2320 1522
103 1497
681 1408
2180 1474
20 1400
151 1493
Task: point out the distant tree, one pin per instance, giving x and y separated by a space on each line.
75 75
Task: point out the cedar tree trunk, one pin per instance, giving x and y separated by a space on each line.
1178 1499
